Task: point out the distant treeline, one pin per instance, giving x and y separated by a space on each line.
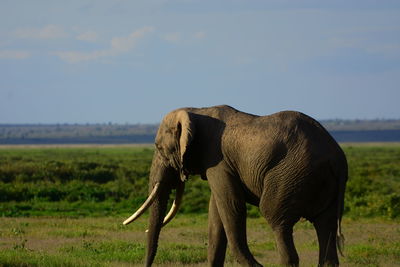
361 125
144 133
77 133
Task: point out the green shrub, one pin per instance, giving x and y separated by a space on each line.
33 177
373 188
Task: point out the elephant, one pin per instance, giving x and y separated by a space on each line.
285 163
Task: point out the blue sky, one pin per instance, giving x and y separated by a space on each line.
133 61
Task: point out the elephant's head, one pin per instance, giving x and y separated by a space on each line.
168 171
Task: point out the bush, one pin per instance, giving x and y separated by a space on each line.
119 177
373 188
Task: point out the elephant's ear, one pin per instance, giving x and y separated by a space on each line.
186 129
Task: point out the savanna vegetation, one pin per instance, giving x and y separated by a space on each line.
65 207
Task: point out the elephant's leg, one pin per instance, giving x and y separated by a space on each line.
326 227
282 220
216 236
285 244
231 206
234 221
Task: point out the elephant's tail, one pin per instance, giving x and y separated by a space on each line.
340 240
342 187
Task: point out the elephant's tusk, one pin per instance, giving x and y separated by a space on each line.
175 205
145 205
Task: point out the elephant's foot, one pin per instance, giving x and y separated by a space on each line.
248 261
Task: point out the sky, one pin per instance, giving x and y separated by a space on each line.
124 61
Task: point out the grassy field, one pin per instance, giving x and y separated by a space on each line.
64 206
52 241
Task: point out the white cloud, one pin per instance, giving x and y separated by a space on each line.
124 44
118 45
382 48
349 42
389 50
47 32
199 35
172 37
76 56
177 37
89 36
14 54
374 40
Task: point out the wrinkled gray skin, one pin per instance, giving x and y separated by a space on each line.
286 164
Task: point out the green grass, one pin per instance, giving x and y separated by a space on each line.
104 241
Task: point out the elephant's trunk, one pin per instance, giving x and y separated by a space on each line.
176 204
157 213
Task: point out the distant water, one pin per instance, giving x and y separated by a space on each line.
340 136
367 136
129 139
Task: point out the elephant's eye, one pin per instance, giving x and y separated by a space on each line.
160 150
158 146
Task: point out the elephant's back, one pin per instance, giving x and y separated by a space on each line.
306 141
297 128
292 129
226 114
